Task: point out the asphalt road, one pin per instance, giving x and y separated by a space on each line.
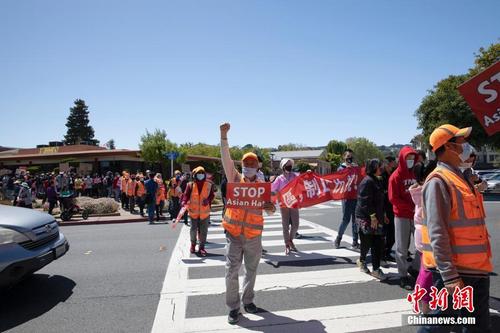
112 277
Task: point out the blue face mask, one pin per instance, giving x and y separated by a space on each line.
200 176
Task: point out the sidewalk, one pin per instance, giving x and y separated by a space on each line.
124 217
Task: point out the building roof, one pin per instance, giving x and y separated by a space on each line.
297 154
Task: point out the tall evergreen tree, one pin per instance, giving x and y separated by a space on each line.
78 125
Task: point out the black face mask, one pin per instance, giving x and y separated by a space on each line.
349 160
288 168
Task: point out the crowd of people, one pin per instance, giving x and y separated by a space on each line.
437 201
128 189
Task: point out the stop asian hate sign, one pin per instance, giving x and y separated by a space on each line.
248 195
482 93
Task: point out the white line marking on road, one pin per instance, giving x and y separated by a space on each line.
281 281
338 318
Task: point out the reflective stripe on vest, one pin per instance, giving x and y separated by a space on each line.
196 208
468 235
250 222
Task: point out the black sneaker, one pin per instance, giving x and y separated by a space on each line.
355 246
234 317
405 283
337 242
390 258
250 308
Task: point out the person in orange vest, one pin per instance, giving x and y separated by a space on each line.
243 233
140 193
131 193
455 240
160 196
198 197
174 194
124 189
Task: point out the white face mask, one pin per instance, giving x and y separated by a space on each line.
410 163
200 176
467 150
465 166
249 172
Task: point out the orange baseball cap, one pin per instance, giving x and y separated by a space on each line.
250 156
444 133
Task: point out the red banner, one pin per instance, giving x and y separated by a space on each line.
482 93
248 195
310 189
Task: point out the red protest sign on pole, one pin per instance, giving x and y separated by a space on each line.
482 93
248 195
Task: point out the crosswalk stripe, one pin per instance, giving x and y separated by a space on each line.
338 318
171 311
276 257
196 287
267 233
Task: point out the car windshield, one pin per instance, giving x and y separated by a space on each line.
495 177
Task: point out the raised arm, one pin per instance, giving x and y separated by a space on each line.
227 162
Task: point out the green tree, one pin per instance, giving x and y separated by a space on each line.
444 104
154 146
334 151
110 144
303 166
363 149
78 125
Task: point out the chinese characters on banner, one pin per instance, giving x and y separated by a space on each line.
482 93
310 189
462 298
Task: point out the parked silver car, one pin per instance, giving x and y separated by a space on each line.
493 184
29 240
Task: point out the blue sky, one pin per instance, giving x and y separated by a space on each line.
278 71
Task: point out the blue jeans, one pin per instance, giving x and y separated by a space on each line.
151 211
348 209
481 296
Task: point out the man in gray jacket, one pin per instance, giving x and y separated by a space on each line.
455 239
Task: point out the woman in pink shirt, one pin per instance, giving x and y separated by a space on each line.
289 216
424 279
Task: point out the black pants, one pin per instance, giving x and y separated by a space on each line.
52 204
373 242
131 203
141 203
159 209
389 233
124 200
174 208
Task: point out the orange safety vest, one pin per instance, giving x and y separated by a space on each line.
469 237
248 222
196 208
141 191
160 193
131 187
124 184
173 193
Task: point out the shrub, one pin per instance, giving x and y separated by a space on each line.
98 206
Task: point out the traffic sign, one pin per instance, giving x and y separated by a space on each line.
482 94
